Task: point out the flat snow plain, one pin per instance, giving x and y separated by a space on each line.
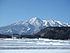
34 45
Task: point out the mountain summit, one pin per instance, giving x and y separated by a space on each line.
30 26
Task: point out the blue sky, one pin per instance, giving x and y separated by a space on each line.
13 10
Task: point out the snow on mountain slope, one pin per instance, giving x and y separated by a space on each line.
53 23
30 26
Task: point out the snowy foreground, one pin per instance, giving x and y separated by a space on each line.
37 51
33 44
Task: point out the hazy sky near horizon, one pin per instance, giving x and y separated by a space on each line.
13 10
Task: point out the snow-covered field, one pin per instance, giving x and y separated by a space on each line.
37 51
34 44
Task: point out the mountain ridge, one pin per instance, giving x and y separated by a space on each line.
30 26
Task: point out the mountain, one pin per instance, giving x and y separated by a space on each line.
31 26
54 33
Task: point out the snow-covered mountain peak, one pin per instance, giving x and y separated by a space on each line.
30 26
54 23
35 21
